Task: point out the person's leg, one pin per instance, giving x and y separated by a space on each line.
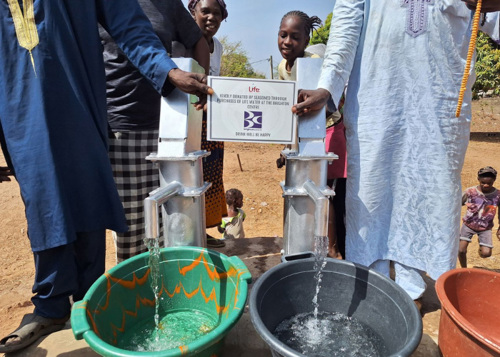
333 251
333 248
485 252
59 273
65 271
55 281
215 196
215 199
382 266
135 178
462 253
410 279
485 243
339 206
465 238
90 260
3 146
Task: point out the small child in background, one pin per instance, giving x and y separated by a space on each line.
232 225
482 202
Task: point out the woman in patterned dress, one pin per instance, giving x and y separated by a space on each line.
209 14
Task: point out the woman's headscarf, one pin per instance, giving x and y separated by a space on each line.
192 4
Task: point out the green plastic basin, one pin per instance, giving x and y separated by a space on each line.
193 278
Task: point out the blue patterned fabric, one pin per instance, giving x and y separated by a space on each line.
405 146
55 122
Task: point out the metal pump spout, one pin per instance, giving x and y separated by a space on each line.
321 211
152 205
305 190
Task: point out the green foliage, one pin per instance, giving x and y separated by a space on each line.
487 66
234 61
322 33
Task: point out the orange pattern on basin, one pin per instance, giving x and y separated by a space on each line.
184 349
213 275
125 283
140 301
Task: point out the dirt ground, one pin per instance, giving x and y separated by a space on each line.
258 179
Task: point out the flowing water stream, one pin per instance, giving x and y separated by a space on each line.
324 334
155 277
329 334
320 252
167 330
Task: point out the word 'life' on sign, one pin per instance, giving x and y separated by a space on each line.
251 110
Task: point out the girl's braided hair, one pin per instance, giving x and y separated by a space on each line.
192 4
310 23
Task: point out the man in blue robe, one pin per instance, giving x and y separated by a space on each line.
404 61
53 116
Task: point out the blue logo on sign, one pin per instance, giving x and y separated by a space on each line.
253 120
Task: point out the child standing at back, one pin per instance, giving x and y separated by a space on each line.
293 40
482 202
232 225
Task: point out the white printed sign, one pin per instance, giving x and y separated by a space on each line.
251 110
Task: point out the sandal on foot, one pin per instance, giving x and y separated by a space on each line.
32 327
214 242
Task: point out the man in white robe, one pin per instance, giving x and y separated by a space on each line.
404 60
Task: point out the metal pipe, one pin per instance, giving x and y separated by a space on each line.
153 203
321 209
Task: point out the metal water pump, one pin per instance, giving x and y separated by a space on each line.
181 194
306 205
